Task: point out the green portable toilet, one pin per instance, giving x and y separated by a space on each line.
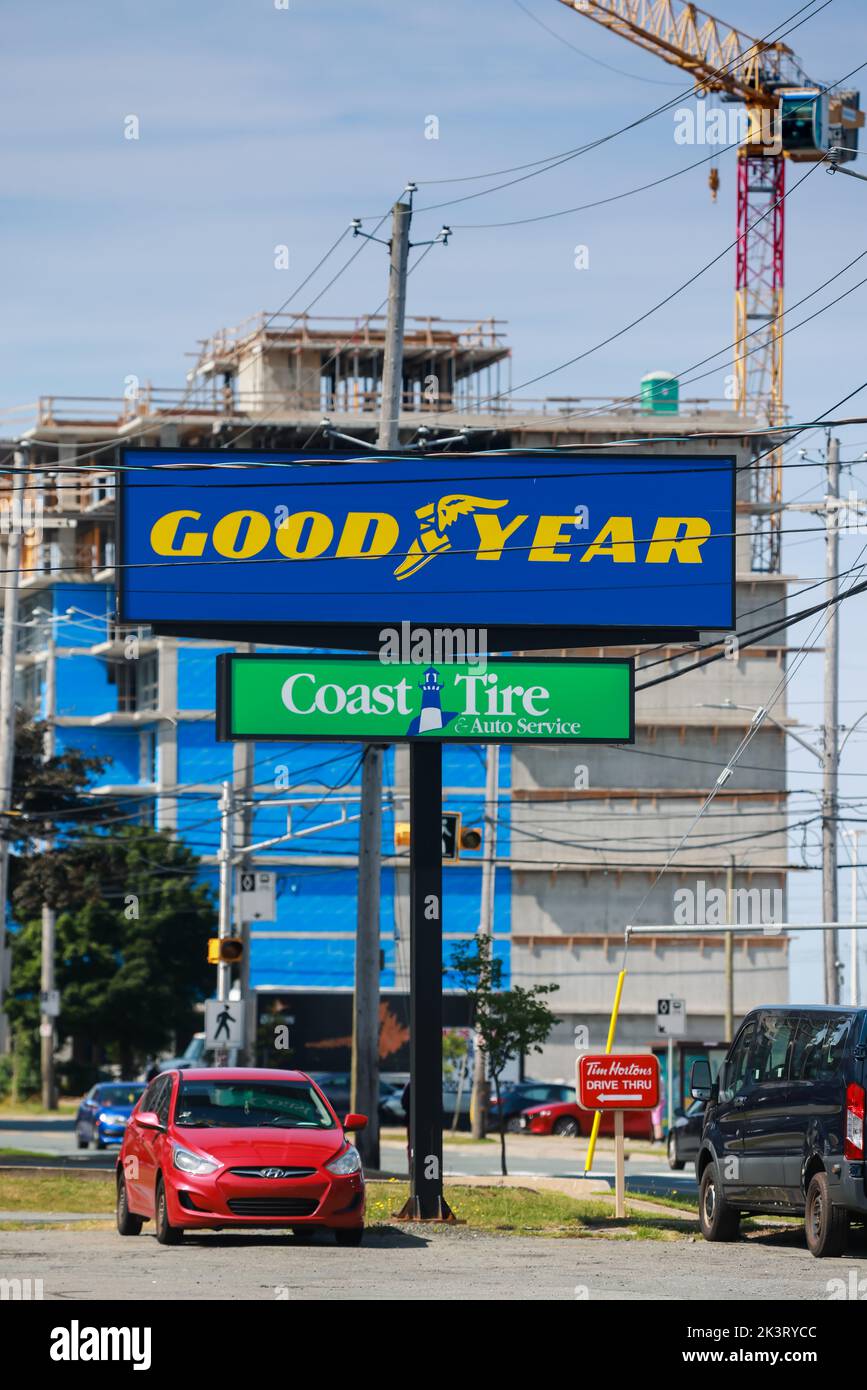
660 393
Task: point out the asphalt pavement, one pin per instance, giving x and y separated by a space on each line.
445 1264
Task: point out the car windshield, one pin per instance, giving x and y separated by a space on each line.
118 1095
250 1105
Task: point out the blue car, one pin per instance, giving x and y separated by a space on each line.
104 1111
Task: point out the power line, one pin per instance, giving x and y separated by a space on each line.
597 202
553 161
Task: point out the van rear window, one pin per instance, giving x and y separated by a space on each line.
820 1047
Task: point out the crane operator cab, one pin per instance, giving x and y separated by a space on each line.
808 123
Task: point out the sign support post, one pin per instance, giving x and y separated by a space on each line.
364 1084
426 1201
614 1083
669 1083
619 1167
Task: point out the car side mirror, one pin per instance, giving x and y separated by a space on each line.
701 1083
149 1119
355 1122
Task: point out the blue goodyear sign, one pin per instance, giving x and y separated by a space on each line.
605 541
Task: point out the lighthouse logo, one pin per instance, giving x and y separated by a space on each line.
432 717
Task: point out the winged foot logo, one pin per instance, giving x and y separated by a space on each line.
436 519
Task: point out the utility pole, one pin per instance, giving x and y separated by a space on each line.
392 363
224 928
7 698
480 1101
224 920
365 1003
729 954
854 971
49 917
830 740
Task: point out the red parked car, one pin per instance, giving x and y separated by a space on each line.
568 1118
239 1147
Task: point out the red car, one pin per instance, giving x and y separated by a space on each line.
238 1147
565 1117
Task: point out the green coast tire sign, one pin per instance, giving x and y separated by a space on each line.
362 699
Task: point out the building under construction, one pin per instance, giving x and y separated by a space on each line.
581 834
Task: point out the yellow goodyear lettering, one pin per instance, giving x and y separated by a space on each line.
307 535
493 535
367 535
164 535
550 534
241 535
616 539
671 539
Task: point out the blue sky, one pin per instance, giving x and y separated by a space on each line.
262 126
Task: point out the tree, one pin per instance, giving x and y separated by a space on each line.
49 793
132 927
508 1022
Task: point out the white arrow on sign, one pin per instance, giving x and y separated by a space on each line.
604 1096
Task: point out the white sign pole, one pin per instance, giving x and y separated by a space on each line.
619 1167
670 1085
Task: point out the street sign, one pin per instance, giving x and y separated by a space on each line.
617 1081
360 698
671 1017
224 1023
257 895
49 1002
531 547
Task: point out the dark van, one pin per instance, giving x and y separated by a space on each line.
784 1126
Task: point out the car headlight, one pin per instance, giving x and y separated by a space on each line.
189 1162
347 1162
543 1112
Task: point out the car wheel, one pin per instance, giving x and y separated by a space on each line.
827 1226
98 1141
717 1218
167 1234
673 1160
128 1224
80 1141
352 1235
567 1126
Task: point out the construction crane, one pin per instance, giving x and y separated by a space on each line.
787 117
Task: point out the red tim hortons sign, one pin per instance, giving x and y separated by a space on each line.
621 1081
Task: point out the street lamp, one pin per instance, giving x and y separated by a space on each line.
829 816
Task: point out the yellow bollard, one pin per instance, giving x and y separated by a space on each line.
612 1026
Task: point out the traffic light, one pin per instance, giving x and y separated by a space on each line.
225 950
456 836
